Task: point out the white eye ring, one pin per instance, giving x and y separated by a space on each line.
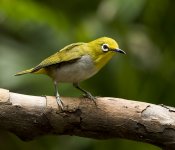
105 47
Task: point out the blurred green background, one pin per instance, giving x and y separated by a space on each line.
31 30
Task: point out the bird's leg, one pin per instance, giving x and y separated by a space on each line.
58 99
87 94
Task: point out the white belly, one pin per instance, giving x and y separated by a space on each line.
76 71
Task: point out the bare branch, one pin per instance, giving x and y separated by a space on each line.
32 116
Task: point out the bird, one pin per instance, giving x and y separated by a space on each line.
75 63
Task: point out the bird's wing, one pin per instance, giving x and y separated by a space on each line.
68 53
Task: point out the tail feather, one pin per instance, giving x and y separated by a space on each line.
24 72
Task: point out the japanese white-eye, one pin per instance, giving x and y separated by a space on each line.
76 62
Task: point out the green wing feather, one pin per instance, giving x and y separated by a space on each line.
61 56
68 53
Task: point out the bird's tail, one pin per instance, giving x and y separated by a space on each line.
24 72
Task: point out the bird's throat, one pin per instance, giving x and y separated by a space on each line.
102 60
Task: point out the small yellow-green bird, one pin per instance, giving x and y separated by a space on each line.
76 62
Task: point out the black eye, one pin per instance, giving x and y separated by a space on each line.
105 47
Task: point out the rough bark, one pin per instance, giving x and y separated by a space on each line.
32 116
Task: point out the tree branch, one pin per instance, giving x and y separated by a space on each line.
32 116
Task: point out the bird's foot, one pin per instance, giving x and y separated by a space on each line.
60 102
90 96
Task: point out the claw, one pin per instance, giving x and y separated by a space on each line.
91 97
58 99
59 102
86 93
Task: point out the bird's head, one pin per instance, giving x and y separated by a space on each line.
106 45
103 49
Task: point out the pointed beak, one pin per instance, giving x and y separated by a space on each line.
119 51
